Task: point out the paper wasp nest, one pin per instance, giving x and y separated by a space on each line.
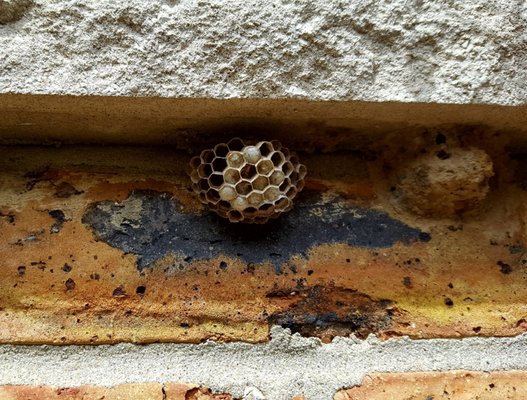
247 183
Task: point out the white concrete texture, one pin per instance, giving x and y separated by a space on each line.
286 366
443 51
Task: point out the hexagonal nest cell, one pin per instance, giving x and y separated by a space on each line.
247 182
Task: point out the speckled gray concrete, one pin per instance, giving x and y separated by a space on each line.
445 51
288 365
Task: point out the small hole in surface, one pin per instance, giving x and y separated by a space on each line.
203 184
244 188
225 205
219 164
236 144
207 156
140 290
221 150
249 211
442 155
284 185
235 215
266 207
195 162
216 180
266 148
291 192
277 159
440 138
294 177
248 171
287 168
213 196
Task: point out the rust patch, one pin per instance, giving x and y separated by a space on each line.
329 311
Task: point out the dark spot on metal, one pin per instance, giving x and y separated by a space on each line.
67 268
160 228
449 302
119 292
70 284
314 314
64 190
504 267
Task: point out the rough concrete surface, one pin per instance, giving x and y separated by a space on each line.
442 51
287 366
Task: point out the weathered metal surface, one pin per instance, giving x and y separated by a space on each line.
101 245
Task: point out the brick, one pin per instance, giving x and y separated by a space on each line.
105 245
452 385
175 391
138 391
151 391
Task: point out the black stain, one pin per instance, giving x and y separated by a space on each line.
504 267
64 190
59 217
158 228
70 284
517 249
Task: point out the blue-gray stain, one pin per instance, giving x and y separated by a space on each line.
161 229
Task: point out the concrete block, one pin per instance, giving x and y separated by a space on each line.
418 51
